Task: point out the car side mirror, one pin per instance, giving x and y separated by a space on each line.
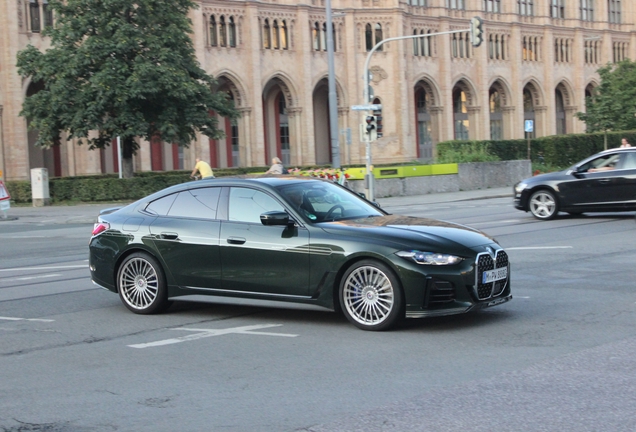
276 218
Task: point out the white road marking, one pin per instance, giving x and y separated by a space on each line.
44 268
204 333
538 247
25 319
33 277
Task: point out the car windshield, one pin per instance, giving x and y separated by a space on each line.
325 201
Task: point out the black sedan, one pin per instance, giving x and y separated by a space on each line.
294 239
605 182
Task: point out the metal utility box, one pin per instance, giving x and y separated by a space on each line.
40 187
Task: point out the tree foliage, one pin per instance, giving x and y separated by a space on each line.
121 68
612 106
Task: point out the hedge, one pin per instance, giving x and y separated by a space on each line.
555 150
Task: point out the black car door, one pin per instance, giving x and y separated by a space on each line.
186 235
596 185
257 258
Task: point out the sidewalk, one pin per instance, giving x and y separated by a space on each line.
87 213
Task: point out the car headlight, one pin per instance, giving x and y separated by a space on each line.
430 258
519 187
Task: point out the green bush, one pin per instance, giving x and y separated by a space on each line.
469 151
19 190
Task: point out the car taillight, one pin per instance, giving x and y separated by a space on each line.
100 227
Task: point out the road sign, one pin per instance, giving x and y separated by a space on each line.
528 126
374 107
4 194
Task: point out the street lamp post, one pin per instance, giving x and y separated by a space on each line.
333 100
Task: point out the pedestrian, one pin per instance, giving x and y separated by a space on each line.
625 143
277 167
203 169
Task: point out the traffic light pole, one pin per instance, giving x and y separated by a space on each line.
369 187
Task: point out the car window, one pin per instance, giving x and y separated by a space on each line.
326 202
247 205
602 163
200 203
161 206
630 161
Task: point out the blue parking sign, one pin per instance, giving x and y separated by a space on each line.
528 126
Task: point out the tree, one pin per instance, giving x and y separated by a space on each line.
121 68
612 106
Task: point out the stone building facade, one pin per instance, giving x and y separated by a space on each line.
538 62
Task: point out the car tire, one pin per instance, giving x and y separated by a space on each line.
141 284
371 296
543 204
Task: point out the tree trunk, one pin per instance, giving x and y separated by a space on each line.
127 158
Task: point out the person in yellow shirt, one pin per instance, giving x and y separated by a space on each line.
203 168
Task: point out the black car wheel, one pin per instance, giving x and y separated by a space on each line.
371 296
543 205
141 284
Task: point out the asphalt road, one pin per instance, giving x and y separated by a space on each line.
559 357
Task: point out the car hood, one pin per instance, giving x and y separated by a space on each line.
557 175
408 229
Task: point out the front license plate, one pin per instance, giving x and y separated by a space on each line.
490 276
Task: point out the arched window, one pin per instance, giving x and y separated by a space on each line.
323 37
460 114
213 34
416 44
496 115
424 124
283 35
232 32
276 35
34 12
560 113
378 36
267 37
316 36
222 32
368 37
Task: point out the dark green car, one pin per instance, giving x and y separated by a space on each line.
294 239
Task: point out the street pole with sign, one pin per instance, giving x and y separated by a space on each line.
528 129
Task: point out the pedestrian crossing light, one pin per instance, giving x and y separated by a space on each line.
372 128
476 31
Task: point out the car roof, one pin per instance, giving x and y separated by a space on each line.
272 181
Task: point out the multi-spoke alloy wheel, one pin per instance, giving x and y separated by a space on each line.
371 296
141 284
543 205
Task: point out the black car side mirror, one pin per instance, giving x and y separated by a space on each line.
276 218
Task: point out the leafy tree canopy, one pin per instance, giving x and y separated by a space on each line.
121 68
612 106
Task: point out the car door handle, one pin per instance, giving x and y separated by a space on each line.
235 240
605 180
169 235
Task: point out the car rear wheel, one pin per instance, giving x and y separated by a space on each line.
142 285
543 205
371 296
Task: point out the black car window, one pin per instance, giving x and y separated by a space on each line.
247 205
161 206
198 203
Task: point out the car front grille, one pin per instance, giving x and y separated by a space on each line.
486 262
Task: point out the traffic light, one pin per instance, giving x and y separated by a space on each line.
476 31
372 128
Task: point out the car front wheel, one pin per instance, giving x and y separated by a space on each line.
543 205
371 296
141 284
